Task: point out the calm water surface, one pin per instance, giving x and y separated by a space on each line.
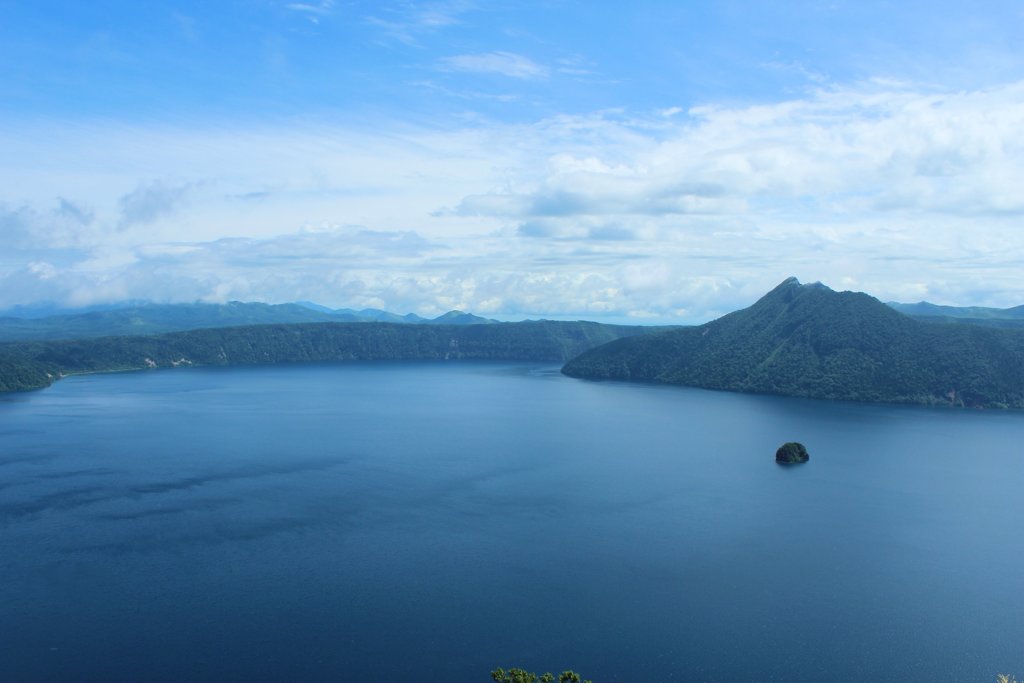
399 522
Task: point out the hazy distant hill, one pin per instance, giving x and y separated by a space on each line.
460 318
807 340
366 314
158 318
34 364
974 315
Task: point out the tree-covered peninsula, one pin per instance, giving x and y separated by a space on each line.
32 365
807 340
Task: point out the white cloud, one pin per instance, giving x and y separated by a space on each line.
64 225
500 63
906 193
151 202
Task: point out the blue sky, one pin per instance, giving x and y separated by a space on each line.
646 161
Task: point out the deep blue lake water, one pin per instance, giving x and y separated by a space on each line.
400 522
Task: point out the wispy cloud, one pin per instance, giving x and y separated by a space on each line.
312 11
796 67
464 94
410 20
575 66
500 63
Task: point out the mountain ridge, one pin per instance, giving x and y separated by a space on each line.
963 315
145 319
37 364
808 340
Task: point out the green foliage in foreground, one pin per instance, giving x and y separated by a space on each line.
514 675
31 365
807 340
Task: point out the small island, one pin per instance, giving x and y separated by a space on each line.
791 453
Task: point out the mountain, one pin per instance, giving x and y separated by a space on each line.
35 364
144 319
973 315
923 309
49 309
461 318
314 307
378 316
157 318
807 340
373 315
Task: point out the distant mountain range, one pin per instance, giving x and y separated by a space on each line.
35 364
974 315
47 322
143 319
798 340
807 340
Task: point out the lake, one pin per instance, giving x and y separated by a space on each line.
431 521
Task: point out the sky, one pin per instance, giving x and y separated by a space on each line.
647 162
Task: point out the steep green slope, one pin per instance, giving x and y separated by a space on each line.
29 365
807 340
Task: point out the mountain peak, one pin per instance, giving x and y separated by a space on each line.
788 291
808 340
457 317
793 283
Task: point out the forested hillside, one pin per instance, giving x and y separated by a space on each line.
29 365
160 318
807 340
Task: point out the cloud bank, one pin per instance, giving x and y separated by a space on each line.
903 191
